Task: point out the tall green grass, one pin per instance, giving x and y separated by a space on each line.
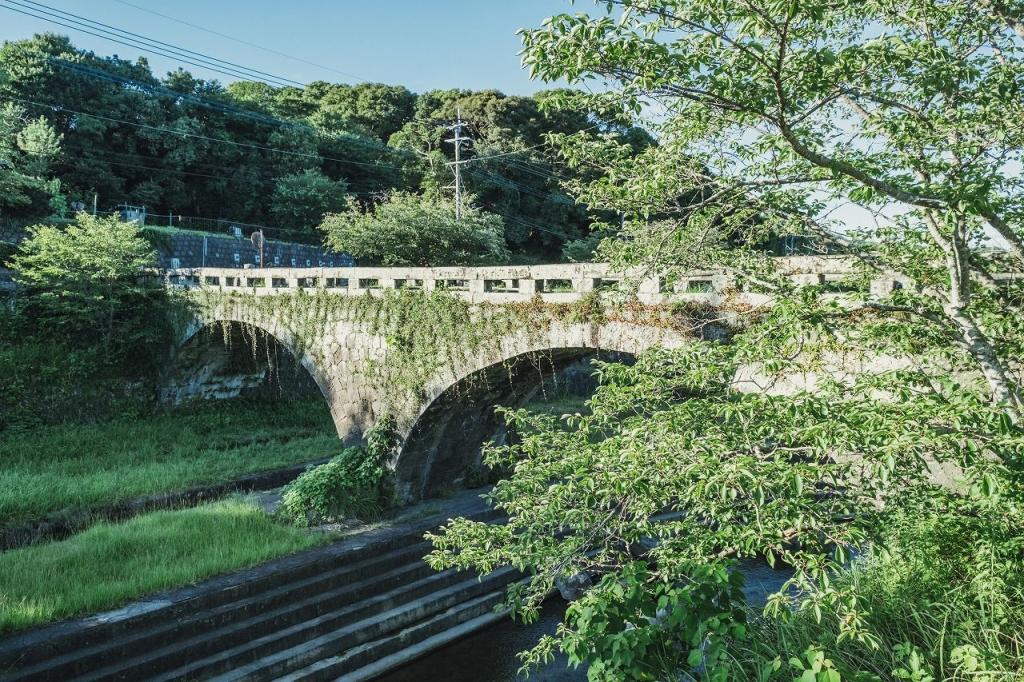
112 563
940 608
51 468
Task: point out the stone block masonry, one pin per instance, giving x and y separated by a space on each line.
379 341
194 250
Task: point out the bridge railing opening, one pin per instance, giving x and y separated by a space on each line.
503 284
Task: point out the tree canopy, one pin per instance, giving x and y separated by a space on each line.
769 116
183 145
28 149
86 282
405 229
302 199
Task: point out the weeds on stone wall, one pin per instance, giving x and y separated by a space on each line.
424 333
357 484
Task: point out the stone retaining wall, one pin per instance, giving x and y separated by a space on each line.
237 252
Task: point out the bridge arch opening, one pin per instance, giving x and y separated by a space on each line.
225 360
443 451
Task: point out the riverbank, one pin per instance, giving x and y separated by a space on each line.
112 563
66 467
491 654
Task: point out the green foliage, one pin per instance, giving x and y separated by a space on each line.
87 281
112 563
28 148
71 465
802 479
941 609
409 230
355 484
425 331
44 381
300 201
40 144
378 108
383 440
352 485
582 250
188 146
770 116
90 329
633 626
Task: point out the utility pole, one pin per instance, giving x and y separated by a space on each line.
457 140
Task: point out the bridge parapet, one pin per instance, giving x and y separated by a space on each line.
563 283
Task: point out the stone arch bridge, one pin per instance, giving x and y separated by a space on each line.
380 341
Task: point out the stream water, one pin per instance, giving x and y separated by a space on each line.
490 654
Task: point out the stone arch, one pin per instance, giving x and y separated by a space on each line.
444 435
340 357
194 359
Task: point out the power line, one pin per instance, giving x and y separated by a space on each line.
240 41
524 149
136 36
524 222
527 189
270 120
456 141
144 43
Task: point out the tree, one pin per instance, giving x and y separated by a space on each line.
405 229
379 108
86 282
28 148
771 115
300 201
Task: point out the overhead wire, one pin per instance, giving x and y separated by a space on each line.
152 89
131 39
241 41
222 107
270 120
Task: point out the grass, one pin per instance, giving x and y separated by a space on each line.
52 468
112 563
937 609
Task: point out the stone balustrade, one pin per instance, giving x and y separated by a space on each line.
562 283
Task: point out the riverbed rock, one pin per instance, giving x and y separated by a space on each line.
573 587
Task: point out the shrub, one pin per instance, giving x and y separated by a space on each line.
941 605
84 282
353 484
45 381
406 229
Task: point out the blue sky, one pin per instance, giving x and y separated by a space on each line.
422 44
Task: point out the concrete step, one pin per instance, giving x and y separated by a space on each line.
293 600
411 652
363 662
246 642
33 647
268 620
382 626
